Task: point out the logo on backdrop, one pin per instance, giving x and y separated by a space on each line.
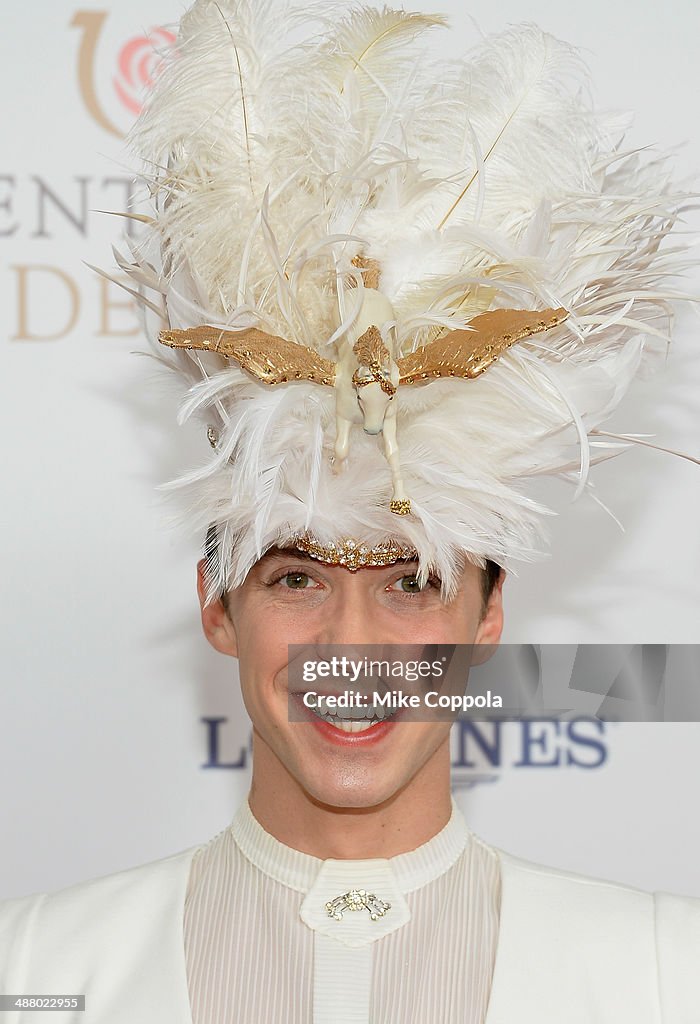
481 751
50 297
135 66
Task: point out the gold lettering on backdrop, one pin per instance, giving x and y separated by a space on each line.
109 304
91 23
25 306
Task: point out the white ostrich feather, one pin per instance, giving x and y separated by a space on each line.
282 140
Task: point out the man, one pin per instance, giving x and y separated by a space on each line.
398 292
342 796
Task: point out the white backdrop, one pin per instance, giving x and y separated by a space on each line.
106 677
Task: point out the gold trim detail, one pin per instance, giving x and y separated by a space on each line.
353 554
372 354
372 271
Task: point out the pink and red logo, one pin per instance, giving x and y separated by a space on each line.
138 62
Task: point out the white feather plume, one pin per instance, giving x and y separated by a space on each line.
477 183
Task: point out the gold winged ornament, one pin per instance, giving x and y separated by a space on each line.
271 359
368 373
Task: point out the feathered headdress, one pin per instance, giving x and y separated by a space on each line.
398 287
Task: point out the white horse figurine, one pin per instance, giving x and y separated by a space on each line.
366 383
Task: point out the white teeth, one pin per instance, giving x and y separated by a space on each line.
358 714
354 719
350 726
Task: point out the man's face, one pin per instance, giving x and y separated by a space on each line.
288 598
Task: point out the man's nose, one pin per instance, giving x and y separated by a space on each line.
352 619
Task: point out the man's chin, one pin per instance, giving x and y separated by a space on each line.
345 794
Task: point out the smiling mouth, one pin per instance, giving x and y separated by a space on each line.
352 720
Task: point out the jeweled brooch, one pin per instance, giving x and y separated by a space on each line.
357 899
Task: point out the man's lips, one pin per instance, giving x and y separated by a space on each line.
369 737
370 733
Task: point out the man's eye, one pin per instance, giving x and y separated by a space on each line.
409 584
295 580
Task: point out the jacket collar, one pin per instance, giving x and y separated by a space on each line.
300 871
377 887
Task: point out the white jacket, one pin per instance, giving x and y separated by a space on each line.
571 949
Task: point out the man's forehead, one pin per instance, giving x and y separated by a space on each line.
282 551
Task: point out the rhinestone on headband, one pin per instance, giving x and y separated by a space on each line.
353 555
